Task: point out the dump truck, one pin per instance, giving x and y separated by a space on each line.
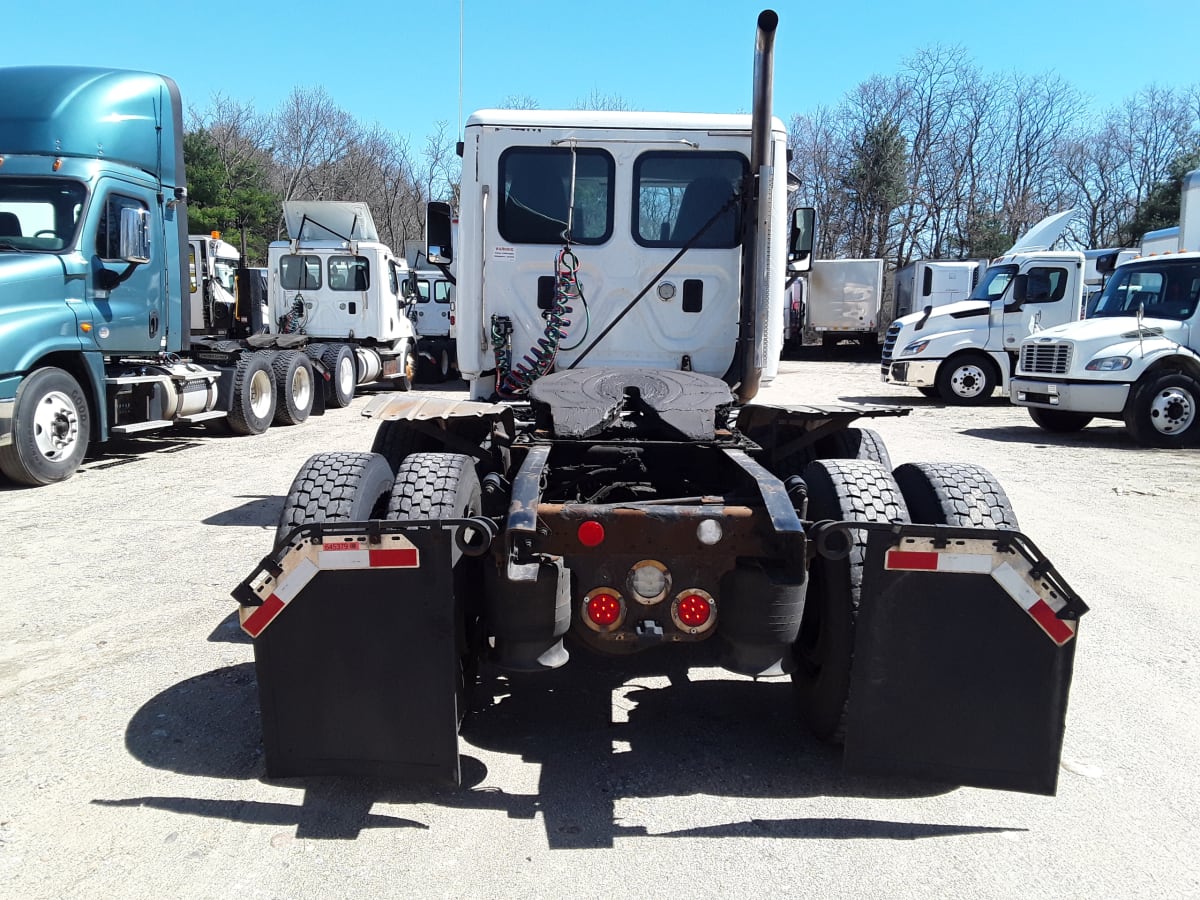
114 323
610 486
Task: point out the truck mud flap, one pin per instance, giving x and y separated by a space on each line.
357 633
962 659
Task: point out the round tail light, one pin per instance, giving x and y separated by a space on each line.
694 611
603 609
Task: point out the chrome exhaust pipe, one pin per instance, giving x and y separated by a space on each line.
755 212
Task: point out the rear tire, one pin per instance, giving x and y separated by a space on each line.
1060 421
336 487
967 379
254 396
955 494
446 486
395 439
294 384
408 369
855 443
343 375
51 429
842 490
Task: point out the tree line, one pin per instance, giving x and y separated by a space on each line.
242 164
941 161
937 160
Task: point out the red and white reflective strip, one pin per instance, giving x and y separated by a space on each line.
302 563
1010 572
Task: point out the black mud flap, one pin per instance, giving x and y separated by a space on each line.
962 661
356 649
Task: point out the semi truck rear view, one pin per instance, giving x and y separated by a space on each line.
612 486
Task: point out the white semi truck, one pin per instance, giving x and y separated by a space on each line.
963 351
1136 358
612 487
432 312
334 283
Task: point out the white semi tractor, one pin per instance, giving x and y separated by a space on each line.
1136 358
336 284
612 486
962 352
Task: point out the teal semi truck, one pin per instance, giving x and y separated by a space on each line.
97 331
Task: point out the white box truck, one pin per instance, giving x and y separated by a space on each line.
934 282
843 299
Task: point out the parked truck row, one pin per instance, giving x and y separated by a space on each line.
116 322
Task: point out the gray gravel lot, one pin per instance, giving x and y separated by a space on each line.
131 765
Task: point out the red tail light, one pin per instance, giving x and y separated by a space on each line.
694 611
603 609
590 533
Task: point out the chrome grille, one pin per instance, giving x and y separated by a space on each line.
1045 359
889 344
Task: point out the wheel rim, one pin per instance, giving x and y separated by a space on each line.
260 394
445 363
410 366
1173 410
55 426
301 388
346 376
968 381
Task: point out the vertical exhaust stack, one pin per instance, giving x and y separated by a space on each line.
756 213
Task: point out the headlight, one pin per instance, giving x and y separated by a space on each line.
1109 364
915 347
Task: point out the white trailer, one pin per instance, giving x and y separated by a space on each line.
934 282
843 300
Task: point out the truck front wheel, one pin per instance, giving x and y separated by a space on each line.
839 490
1060 421
339 360
1162 412
51 428
967 379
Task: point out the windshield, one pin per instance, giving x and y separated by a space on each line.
1162 288
994 283
39 213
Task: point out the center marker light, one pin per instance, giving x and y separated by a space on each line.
590 533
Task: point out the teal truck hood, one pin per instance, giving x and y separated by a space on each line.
35 316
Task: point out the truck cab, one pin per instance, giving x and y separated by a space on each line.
962 351
1135 358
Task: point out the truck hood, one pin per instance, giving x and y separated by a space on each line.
323 220
1043 235
1111 329
945 315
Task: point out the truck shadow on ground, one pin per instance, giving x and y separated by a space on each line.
1111 437
261 509
724 738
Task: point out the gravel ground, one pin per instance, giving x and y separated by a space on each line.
131 763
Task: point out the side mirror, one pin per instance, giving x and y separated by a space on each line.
800 239
1107 262
439 244
135 235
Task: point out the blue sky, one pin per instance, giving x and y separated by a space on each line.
397 63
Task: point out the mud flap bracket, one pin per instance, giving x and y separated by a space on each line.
962 662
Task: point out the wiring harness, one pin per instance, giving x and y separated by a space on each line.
514 380
292 322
